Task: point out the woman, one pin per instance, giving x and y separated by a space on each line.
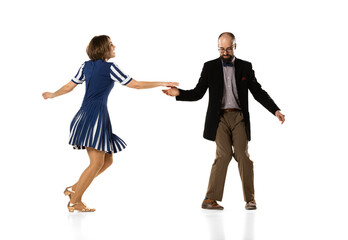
91 128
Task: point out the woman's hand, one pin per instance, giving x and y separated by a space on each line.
46 95
63 90
144 85
170 84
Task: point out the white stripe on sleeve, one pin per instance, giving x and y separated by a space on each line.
80 77
116 74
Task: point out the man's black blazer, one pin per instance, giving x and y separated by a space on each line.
212 78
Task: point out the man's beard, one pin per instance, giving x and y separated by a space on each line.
226 60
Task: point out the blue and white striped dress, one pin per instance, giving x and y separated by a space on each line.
91 126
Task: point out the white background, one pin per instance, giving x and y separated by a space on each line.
155 187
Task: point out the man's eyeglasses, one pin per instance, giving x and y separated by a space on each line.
222 50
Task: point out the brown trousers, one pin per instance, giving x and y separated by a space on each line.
231 140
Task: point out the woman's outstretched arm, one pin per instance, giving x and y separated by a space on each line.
144 85
63 90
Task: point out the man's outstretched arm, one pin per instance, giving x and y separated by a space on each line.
193 94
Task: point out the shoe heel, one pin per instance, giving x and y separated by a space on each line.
67 192
71 209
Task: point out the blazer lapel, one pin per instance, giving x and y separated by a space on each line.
238 71
220 76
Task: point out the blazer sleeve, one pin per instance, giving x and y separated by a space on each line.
259 94
199 91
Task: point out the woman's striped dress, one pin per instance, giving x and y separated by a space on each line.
91 126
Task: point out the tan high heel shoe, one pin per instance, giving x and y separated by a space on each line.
67 192
71 207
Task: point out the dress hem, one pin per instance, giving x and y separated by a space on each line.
81 147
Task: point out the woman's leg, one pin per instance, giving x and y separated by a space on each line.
96 158
108 160
107 163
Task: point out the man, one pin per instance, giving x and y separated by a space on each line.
227 121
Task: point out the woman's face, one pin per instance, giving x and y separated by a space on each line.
111 50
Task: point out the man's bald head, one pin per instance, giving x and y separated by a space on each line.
226 45
227 35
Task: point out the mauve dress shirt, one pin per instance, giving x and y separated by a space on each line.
230 96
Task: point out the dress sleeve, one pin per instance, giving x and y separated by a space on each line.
117 75
80 76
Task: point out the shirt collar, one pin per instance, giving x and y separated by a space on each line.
233 60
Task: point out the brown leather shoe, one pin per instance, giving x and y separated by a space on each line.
251 205
211 204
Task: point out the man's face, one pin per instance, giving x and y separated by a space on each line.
226 48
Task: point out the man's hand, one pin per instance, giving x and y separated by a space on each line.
280 116
173 92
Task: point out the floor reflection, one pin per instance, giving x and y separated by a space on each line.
76 224
243 228
215 224
249 225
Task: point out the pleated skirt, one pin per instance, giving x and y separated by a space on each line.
91 127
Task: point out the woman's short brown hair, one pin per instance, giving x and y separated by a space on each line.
98 48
